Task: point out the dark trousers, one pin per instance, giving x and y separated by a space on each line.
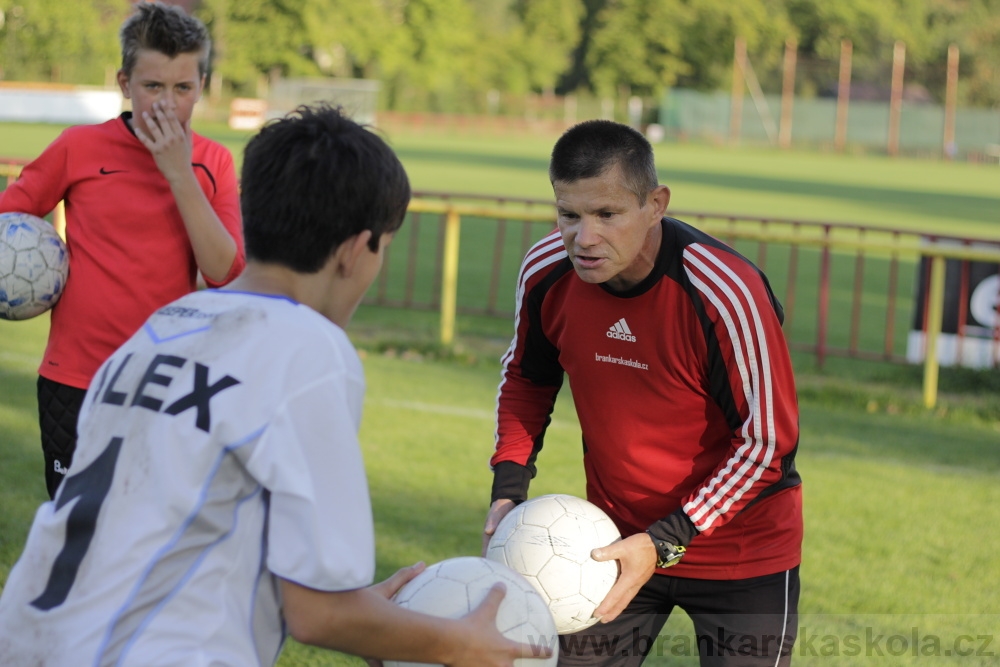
737 623
58 410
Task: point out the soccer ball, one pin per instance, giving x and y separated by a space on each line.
456 586
548 539
34 265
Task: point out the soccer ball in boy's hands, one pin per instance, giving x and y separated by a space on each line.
454 587
548 539
34 265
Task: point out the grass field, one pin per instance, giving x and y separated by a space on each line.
956 198
901 504
900 508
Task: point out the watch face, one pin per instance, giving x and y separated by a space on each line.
672 555
667 553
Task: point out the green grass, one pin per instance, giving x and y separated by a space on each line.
23 486
936 196
900 507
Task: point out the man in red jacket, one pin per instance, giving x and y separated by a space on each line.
682 382
149 204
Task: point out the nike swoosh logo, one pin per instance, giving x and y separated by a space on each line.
112 171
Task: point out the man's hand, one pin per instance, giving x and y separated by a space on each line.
636 556
168 140
498 510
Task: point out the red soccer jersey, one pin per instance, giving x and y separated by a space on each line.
685 395
128 247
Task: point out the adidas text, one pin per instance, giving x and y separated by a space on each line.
621 336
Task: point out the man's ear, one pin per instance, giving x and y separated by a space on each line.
351 250
659 197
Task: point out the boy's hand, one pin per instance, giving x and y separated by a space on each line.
391 586
168 140
487 646
400 578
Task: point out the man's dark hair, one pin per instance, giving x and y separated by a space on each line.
313 179
155 26
591 148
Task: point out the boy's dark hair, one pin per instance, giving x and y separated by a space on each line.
155 26
313 179
591 148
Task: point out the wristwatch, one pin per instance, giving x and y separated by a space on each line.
667 554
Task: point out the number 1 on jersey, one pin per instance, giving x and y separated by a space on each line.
91 486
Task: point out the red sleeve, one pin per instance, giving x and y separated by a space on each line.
41 185
226 204
757 372
531 375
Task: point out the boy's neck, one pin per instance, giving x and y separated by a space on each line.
316 290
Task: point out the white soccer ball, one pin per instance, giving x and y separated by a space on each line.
548 539
454 587
34 265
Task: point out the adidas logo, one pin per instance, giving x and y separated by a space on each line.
621 331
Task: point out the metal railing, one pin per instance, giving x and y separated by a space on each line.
857 282
833 278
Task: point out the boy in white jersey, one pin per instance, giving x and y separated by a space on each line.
218 498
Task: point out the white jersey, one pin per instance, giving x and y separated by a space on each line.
218 449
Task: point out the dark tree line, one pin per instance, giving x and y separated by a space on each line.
447 54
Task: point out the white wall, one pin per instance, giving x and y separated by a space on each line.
64 106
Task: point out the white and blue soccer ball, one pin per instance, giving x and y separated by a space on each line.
454 587
34 265
548 539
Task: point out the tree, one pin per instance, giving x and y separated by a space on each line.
578 76
442 36
258 37
872 28
357 39
974 26
982 51
548 32
446 54
54 40
637 44
713 26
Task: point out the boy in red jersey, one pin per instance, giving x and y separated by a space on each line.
149 204
681 378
